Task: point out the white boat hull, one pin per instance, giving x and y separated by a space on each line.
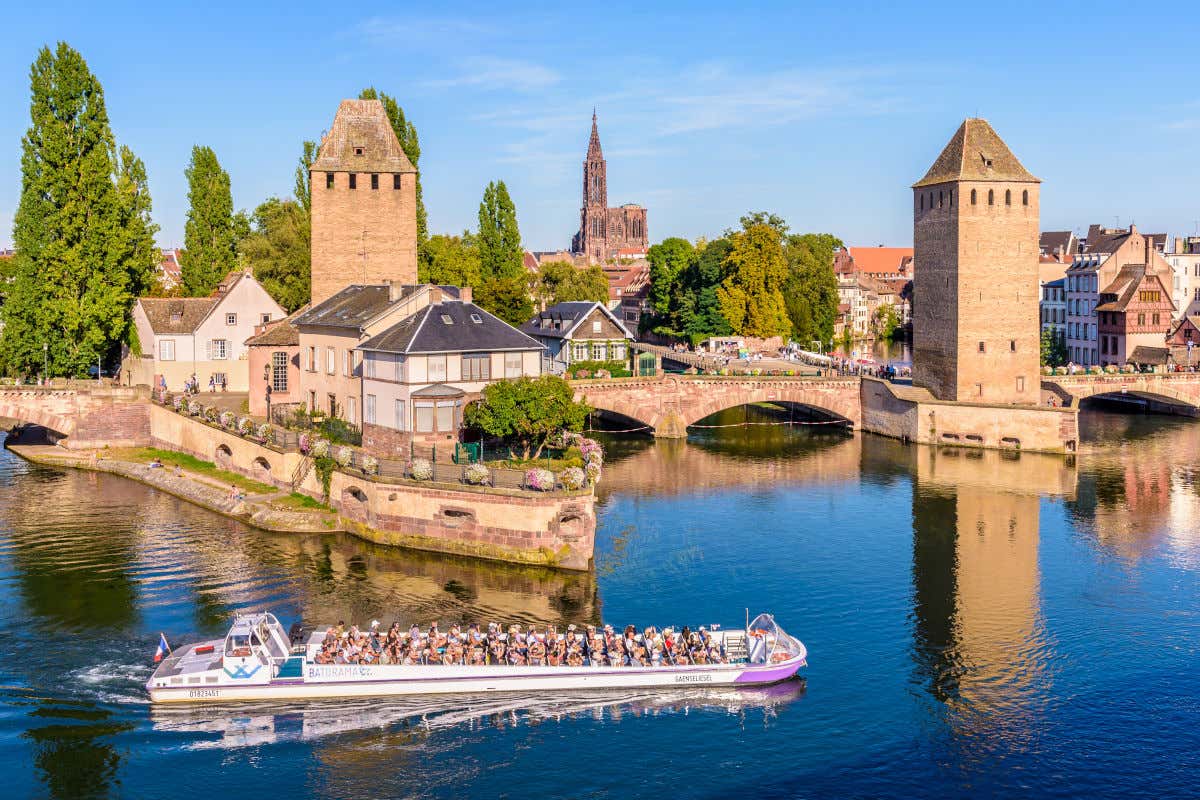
325 681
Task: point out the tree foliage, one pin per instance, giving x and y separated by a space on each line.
209 237
810 290
277 251
1054 348
507 298
502 288
562 282
668 259
82 231
406 132
885 322
750 296
450 261
527 411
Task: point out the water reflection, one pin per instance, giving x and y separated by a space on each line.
245 725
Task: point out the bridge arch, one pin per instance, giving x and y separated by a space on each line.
223 454
1166 393
33 414
261 468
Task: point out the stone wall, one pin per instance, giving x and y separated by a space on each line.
555 529
386 442
914 415
88 416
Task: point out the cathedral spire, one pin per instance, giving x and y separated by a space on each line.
594 153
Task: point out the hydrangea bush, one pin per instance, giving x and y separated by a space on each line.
370 465
421 469
593 473
245 425
477 475
227 418
264 431
343 456
320 448
177 401
305 444
194 408
573 478
541 480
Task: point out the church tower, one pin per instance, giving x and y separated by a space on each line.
364 203
593 217
975 285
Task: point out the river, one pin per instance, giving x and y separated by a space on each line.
980 625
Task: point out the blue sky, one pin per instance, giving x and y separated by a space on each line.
822 114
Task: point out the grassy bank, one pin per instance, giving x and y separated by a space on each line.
171 459
299 502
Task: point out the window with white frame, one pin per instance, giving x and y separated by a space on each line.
279 372
512 365
399 369
218 349
423 417
436 367
369 409
445 416
312 359
476 366
265 318
352 410
401 416
346 368
618 351
596 326
330 360
579 351
369 365
600 351
231 319
166 347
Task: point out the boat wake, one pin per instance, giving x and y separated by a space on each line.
247 725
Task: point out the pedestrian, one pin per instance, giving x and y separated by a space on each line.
212 383
224 382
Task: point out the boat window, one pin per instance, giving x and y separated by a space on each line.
237 645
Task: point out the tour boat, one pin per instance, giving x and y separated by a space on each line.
259 660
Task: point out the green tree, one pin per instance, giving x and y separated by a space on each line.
450 261
500 252
303 185
1054 347
885 322
406 132
762 218
562 282
82 229
810 290
209 237
667 260
750 296
277 251
507 298
527 411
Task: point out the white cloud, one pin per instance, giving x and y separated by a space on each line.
500 73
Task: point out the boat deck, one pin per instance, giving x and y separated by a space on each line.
188 661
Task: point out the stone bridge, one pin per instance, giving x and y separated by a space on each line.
1175 392
83 413
669 404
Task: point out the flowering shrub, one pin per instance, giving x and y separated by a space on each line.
177 401
227 418
421 469
583 373
541 480
370 465
1047 370
593 473
1094 370
245 425
210 414
603 373
344 456
477 475
194 408
1111 369
320 448
591 450
305 444
264 431
572 478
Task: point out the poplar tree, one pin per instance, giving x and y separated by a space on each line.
406 132
209 240
82 231
504 289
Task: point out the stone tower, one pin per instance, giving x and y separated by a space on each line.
604 231
975 285
364 203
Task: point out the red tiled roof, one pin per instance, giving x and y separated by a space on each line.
880 259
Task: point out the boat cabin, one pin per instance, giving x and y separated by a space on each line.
255 641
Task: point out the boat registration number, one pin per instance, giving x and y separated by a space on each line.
693 678
204 692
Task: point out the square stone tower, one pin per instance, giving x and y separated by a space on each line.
975 285
364 203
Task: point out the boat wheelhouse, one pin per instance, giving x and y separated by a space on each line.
259 660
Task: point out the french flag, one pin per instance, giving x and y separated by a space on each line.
163 648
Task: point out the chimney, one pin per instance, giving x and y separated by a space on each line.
465 294
1149 254
1178 244
394 290
435 295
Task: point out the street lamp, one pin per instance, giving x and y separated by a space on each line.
46 360
267 381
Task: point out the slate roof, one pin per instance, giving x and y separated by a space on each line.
361 125
352 307
282 333
1063 242
428 332
1123 286
176 314
570 314
1055 284
976 153
1149 355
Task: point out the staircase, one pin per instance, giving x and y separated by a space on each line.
302 469
735 647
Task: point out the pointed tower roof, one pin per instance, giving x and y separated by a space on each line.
594 153
361 140
976 153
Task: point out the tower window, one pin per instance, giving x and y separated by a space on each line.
353 181
991 197
940 199
374 181
982 348
395 181
972 197
1025 197
1012 345
1008 197
328 180
951 196
358 151
922 201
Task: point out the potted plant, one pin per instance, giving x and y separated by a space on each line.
540 480
477 475
343 456
573 478
421 469
370 465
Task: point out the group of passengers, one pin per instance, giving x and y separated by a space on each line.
574 647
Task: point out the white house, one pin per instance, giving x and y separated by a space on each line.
202 336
